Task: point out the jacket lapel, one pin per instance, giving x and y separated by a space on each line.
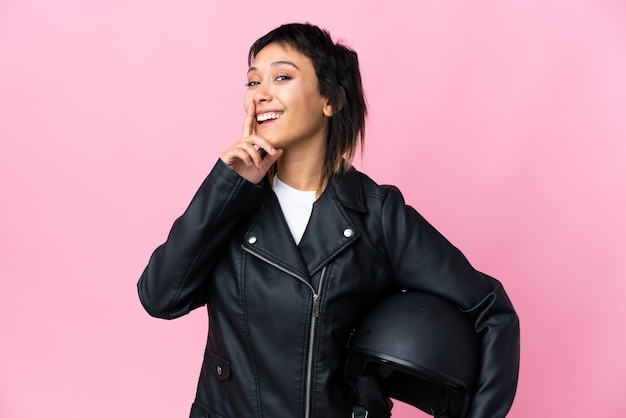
330 229
270 238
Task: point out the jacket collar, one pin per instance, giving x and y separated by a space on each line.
349 190
329 231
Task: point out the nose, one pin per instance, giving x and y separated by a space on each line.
261 95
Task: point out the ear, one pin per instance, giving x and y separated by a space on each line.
328 108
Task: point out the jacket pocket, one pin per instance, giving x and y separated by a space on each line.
200 411
212 397
221 367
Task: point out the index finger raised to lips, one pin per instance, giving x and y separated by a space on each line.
249 122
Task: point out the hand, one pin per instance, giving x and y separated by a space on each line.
245 157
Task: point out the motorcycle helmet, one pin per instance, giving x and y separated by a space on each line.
418 349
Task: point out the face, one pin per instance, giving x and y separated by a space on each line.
290 110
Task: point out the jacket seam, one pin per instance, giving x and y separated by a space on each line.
204 242
250 346
384 202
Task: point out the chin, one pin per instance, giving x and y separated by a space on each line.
275 140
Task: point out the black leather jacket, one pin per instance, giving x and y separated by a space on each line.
280 314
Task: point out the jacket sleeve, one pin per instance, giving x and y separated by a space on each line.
423 260
173 281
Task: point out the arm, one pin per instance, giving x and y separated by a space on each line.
172 283
423 260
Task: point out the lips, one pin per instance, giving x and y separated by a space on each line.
262 117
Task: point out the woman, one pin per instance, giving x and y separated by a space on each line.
288 246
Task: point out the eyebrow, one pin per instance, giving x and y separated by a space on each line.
276 64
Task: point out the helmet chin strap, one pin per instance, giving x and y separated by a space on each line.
435 398
376 404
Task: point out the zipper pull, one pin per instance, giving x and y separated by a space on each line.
316 305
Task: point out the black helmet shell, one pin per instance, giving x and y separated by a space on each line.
423 350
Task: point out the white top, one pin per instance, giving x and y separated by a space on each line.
296 206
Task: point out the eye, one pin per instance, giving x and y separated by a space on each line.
252 83
283 78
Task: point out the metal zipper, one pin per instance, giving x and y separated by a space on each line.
309 365
315 313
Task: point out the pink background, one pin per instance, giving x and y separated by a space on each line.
503 122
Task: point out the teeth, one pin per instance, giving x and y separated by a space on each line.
265 116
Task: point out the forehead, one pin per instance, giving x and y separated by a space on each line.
280 53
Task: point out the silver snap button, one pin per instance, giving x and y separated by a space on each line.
219 370
251 240
348 232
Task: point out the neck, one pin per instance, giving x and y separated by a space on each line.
302 168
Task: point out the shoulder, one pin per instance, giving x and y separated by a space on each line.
359 191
